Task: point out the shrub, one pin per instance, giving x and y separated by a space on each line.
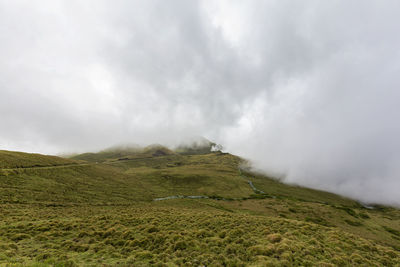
180 245
282 248
292 210
222 234
152 229
19 237
274 238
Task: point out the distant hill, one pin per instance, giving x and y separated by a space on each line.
12 159
199 146
124 153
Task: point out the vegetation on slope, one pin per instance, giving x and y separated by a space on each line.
124 181
11 159
124 153
101 212
175 234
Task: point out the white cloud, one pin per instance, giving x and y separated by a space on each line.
307 89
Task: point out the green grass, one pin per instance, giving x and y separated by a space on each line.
64 212
126 181
11 159
124 153
181 232
274 187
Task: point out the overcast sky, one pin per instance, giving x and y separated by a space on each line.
308 90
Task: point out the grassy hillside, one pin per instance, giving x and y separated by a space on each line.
101 211
11 159
124 153
124 181
181 232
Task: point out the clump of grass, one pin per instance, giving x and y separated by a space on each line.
152 229
20 236
222 234
274 238
353 223
392 231
318 220
364 215
266 250
349 211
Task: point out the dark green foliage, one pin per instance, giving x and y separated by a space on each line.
392 231
349 211
318 220
292 210
364 215
353 223
259 196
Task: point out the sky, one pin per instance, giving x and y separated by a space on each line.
308 91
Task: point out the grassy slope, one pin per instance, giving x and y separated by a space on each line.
126 181
180 232
100 213
11 159
124 153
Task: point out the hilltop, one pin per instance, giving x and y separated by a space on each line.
124 153
12 159
171 207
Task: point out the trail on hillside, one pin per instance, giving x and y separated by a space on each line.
257 191
178 197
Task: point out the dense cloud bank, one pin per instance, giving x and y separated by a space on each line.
307 90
